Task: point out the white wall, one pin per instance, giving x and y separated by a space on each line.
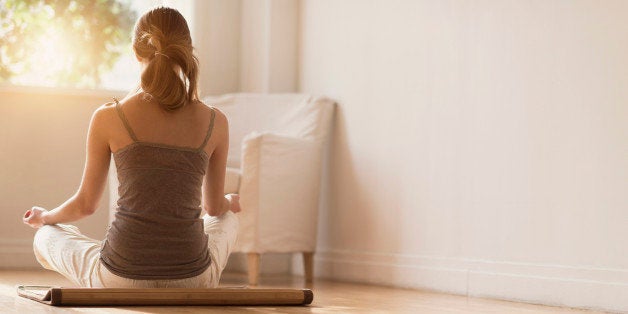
269 42
480 146
42 155
217 43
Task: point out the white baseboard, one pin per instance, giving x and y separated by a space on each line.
17 254
559 285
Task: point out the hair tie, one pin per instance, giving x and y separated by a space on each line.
161 54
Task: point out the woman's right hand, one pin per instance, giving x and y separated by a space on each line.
34 217
234 203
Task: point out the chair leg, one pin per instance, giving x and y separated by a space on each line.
253 260
308 266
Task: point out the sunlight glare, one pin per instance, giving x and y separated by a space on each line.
52 56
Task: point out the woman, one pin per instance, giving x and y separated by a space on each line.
170 151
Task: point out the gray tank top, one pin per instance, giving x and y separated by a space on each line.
157 232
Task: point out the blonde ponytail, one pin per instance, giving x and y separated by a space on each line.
162 37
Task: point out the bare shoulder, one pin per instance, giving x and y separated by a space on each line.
104 111
220 119
102 117
110 106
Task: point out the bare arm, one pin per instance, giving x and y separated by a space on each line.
215 203
85 201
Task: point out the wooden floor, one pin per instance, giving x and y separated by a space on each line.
329 297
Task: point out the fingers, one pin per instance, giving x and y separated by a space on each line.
32 217
235 203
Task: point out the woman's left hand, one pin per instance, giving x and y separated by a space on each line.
34 217
234 203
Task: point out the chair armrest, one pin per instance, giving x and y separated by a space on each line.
277 140
279 192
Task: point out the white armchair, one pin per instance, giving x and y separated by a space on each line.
275 164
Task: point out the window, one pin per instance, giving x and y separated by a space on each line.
76 44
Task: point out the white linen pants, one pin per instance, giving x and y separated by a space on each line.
64 249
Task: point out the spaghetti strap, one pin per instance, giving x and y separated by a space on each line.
209 130
124 120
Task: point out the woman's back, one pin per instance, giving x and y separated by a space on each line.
157 231
150 123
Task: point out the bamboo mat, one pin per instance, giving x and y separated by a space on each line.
58 296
